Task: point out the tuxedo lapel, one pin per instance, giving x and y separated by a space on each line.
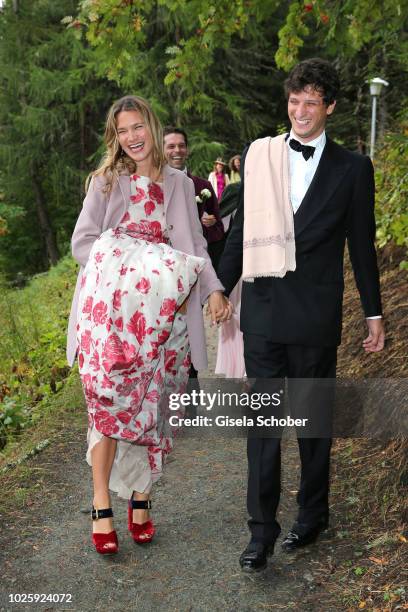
329 173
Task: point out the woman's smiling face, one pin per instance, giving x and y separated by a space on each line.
134 136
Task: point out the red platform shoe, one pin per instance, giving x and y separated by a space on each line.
105 543
142 534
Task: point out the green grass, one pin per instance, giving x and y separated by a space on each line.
63 417
33 367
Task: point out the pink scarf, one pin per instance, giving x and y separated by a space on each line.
269 242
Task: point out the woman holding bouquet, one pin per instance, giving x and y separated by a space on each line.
137 312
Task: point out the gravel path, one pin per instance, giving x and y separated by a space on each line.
199 510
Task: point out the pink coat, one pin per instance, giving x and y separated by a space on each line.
101 212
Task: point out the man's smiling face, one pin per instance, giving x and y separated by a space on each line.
175 150
308 113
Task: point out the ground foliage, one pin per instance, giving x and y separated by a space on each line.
33 367
370 476
369 495
392 188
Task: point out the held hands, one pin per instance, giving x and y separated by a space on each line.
376 336
219 307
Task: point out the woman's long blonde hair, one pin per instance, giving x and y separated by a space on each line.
115 160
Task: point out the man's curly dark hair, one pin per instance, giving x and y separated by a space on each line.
317 73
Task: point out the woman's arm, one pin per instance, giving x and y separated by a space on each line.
90 221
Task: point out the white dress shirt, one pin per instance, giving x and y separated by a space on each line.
302 171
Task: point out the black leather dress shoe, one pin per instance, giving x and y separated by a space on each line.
254 557
302 534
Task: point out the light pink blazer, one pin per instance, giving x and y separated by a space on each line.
103 211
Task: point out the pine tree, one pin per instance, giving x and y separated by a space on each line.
51 108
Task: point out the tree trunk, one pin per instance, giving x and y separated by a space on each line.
82 152
44 220
15 6
360 140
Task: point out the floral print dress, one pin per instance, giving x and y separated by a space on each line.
133 348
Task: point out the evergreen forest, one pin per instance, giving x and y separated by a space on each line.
214 68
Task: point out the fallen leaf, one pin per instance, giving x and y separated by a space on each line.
377 560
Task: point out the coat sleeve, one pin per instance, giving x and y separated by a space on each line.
212 207
361 237
208 278
230 266
90 221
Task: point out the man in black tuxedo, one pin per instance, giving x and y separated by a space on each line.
292 325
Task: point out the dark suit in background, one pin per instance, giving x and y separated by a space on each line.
214 234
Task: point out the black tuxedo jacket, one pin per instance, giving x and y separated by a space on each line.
305 306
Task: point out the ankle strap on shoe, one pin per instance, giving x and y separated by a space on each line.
144 504
101 514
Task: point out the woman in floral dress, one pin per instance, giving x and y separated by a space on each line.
137 312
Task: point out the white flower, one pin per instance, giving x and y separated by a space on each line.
205 193
199 200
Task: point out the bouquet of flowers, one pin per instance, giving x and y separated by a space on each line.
204 195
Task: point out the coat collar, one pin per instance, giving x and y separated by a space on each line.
169 182
330 172
124 185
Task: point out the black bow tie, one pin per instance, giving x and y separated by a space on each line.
306 150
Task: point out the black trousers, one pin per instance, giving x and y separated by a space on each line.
266 360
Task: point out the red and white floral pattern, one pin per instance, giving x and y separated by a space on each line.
133 346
